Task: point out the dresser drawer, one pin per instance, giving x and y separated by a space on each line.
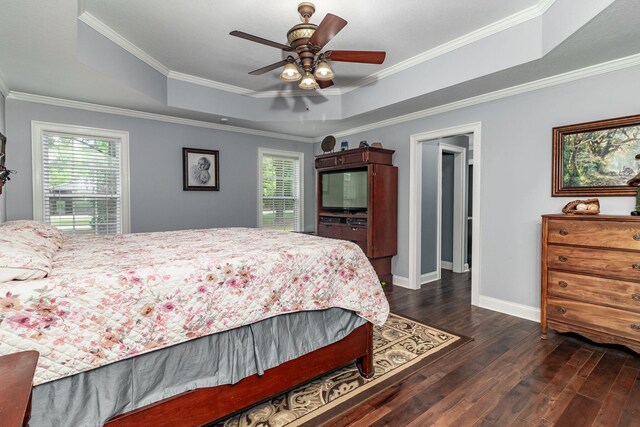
333 231
326 162
597 290
350 158
606 234
599 318
621 264
357 235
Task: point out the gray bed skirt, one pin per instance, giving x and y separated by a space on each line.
91 398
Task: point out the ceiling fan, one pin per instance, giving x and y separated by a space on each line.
306 40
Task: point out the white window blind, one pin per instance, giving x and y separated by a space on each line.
82 183
281 192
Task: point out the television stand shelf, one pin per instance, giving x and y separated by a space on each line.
375 228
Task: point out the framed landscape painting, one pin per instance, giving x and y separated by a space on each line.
200 170
596 158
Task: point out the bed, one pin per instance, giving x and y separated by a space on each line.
180 327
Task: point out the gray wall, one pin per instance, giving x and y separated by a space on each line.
516 172
428 262
429 202
155 150
448 166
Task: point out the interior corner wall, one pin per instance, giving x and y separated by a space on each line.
516 172
158 202
2 130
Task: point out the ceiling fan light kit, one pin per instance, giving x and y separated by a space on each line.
308 82
323 71
290 73
307 40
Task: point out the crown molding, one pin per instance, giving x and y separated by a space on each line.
116 38
544 5
4 89
67 103
594 70
510 21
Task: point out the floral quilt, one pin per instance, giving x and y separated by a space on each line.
109 298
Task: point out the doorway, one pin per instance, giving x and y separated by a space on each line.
418 142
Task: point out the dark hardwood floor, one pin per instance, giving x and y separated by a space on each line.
507 376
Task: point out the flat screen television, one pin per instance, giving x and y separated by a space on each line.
344 191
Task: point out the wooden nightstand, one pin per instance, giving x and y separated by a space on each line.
16 377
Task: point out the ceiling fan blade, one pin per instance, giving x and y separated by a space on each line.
364 56
325 83
260 40
328 28
269 67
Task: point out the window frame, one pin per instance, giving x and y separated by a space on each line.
296 155
38 128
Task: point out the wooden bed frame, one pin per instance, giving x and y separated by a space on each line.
205 405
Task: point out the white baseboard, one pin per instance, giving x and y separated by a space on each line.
511 308
429 277
447 265
401 281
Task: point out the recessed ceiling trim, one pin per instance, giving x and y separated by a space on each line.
594 70
518 18
67 103
488 30
116 38
243 91
209 83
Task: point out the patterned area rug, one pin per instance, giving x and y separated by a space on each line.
399 345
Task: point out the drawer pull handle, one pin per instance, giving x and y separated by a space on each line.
563 258
636 236
635 327
635 297
562 310
355 228
636 266
563 232
562 284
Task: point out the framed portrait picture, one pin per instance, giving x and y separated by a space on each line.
596 158
200 170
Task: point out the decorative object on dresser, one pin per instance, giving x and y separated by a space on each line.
635 182
358 201
591 277
200 170
591 159
582 207
328 144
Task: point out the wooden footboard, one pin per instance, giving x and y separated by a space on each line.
201 406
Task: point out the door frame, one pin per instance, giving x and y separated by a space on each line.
459 206
415 209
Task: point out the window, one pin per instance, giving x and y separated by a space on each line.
280 190
81 178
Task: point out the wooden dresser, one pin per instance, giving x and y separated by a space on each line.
591 277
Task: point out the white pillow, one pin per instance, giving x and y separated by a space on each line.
24 256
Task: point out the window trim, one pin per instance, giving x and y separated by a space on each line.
283 153
37 129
